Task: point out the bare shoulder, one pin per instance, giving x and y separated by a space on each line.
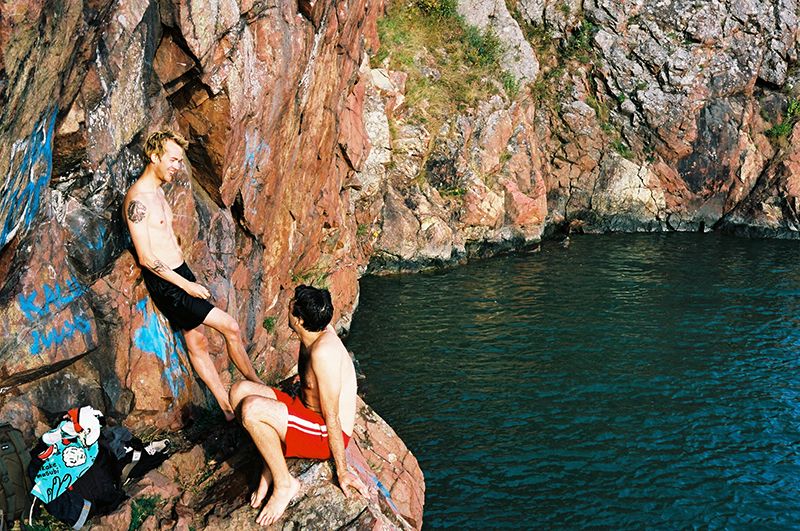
137 203
329 346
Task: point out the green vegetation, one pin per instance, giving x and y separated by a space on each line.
269 323
44 522
362 230
141 508
438 8
622 148
600 109
454 192
791 117
558 57
579 44
315 276
450 64
510 84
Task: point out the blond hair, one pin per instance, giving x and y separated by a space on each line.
154 145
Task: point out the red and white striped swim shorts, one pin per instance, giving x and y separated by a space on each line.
306 434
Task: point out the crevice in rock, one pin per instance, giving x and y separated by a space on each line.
24 377
352 524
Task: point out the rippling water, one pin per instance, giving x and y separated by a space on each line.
624 382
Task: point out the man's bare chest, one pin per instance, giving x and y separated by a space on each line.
160 216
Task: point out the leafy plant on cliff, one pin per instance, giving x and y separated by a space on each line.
578 45
450 64
141 508
483 47
438 8
269 323
315 276
560 56
510 84
791 117
622 148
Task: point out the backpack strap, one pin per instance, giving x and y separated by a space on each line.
11 495
19 445
87 506
12 499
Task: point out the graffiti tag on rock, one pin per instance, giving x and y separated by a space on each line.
54 298
154 337
28 176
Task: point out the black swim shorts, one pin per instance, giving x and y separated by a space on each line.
183 311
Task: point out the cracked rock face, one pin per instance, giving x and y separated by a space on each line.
306 165
272 99
273 110
207 485
650 115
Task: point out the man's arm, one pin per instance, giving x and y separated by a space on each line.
327 369
136 214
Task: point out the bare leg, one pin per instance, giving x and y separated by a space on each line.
264 482
229 328
266 420
201 361
239 391
244 388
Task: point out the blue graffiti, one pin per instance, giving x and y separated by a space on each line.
95 245
381 487
253 146
55 337
21 195
56 298
154 338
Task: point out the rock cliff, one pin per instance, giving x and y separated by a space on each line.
270 94
626 116
324 146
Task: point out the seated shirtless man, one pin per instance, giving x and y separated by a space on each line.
171 284
317 424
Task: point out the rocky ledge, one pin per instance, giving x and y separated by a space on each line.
207 485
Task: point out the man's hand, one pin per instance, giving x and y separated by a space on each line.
196 290
348 480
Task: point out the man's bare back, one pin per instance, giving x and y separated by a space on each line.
281 426
329 345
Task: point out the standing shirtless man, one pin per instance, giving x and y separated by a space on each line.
317 424
171 284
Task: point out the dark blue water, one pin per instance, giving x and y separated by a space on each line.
623 382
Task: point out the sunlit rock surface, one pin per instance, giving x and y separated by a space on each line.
306 165
271 96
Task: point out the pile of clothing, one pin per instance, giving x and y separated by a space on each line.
78 468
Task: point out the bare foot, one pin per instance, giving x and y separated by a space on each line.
278 502
263 487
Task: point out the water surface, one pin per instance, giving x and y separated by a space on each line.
626 381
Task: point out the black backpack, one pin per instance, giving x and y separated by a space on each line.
15 486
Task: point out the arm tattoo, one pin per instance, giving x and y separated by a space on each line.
158 266
136 211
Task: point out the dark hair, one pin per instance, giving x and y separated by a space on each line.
313 306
